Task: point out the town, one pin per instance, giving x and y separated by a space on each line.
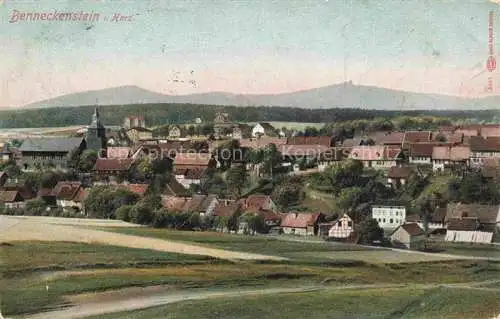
249 159
410 189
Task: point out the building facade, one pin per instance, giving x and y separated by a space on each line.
389 217
134 121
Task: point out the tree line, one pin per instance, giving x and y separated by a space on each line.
166 113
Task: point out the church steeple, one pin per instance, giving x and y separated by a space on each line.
96 120
96 132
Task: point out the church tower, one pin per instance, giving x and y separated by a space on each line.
96 133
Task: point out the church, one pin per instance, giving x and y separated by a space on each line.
52 152
95 137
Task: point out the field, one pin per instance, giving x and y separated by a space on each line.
296 125
369 303
60 230
70 269
49 263
293 250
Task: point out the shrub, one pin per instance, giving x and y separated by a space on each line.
123 213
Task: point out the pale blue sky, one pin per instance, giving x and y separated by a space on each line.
253 46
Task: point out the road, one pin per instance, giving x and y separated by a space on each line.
120 304
407 251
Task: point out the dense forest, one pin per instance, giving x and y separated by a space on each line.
157 114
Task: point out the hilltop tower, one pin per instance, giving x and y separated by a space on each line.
96 133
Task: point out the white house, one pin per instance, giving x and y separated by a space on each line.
12 199
174 131
377 157
187 177
342 227
421 153
483 148
389 217
409 236
445 156
70 196
467 230
263 129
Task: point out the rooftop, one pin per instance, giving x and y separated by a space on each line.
59 144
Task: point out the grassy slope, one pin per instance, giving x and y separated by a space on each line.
118 267
24 263
250 244
30 256
476 250
409 303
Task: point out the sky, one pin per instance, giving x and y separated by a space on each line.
252 46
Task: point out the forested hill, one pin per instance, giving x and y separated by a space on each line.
156 114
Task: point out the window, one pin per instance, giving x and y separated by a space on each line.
340 223
391 221
349 224
384 220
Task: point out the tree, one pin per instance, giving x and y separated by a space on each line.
123 212
73 159
272 160
191 130
153 201
287 194
236 178
50 179
255 156
426 207
369 231
12 171
228 152
99 202
337 177
473 188
5 164
161 166
255 223
213 183
311 131
349 198
103 201
161 218
144 168
416 185
207 129
221 223
87 161
142 214
32 180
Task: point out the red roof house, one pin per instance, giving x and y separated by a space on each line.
305 224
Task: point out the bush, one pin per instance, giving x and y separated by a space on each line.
35 207
162 218
123 213
141 214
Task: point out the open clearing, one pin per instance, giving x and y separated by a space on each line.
49 263
356 301
295 249
48 229
363 303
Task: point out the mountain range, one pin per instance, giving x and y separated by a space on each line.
343 95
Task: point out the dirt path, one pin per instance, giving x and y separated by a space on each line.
432 256
69 230
140 298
